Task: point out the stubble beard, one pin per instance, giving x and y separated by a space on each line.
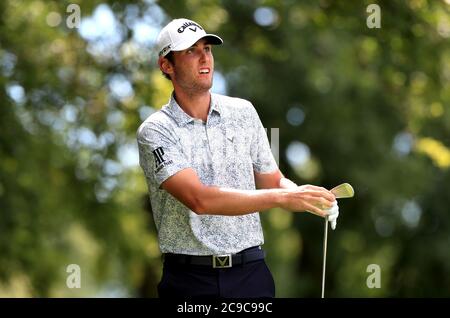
193 87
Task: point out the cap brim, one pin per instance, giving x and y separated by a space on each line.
211 38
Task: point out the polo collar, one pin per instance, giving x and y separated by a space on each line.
182 118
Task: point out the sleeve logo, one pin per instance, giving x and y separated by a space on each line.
160 161
159 153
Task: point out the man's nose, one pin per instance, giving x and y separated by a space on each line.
203 56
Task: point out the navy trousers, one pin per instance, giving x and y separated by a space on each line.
249 280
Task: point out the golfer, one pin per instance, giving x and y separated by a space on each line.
210 170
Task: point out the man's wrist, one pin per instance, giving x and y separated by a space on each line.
279 197
285 183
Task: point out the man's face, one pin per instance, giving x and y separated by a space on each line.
194 67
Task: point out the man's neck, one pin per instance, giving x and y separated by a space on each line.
195 105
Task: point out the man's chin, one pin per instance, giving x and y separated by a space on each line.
204 86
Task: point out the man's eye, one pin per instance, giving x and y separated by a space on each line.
207 49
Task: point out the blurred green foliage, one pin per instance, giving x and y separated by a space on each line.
359 105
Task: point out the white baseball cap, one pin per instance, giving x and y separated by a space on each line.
181 34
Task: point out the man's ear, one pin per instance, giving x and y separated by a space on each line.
165 66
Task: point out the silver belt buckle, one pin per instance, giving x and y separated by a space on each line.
222 261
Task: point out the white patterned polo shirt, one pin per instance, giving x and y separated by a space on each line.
225 151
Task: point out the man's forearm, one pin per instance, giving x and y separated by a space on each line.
226 201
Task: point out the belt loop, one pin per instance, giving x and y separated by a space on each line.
243 258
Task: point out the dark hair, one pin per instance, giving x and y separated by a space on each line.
170 56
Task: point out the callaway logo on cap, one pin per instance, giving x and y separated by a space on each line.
181 34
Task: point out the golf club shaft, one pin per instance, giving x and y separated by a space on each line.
325 239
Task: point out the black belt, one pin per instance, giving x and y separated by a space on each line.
217 261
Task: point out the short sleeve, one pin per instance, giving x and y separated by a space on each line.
262 157
160 153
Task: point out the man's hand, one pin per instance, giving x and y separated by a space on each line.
309 198
333 214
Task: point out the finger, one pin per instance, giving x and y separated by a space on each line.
313 187
315 210
326 203
322 189
318 202
322 203
329 196
334 208
318 189
324 194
